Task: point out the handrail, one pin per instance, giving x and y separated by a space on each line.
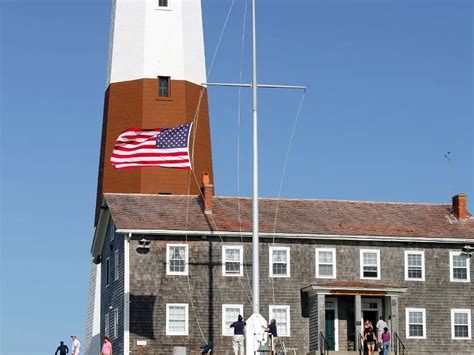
360 344
323 344
398 346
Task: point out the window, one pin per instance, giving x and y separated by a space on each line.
116 265
106 325
116 323
163 3
177 259
232 260
177 319
414 265
459 265
107 272
370 264
230 312
163 86
460 323
282 316
416 323
326 263
279 261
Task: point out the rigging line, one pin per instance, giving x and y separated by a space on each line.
295 123
239 111
214 225
220 38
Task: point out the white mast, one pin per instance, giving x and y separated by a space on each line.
255 237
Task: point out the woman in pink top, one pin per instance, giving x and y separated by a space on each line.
106 347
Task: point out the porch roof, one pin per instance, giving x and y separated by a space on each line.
353 288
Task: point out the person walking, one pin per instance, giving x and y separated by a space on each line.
385 340
62 349
238 339
370 338
106 347
381 324
76 345
272 330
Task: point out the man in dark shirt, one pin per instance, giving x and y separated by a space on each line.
238 339
272 330
63 349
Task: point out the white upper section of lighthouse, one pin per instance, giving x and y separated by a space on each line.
148 40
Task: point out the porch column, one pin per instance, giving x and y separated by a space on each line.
321 316
358 319
394 313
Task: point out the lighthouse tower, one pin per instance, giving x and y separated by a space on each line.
154 80
155 73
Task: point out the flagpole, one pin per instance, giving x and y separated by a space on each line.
255 236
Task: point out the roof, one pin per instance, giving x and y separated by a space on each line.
288 216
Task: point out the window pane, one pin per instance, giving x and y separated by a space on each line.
325 270
370 258
177 319
370 271
281 317
416 317
461 331
231 315
325 257
163 3
460 274
279 269
459 261
414 273
414 260
177 258
460 318
163 87
279 255
416 330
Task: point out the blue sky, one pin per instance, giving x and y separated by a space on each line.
389 93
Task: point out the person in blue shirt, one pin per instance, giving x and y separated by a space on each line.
272 330
238 339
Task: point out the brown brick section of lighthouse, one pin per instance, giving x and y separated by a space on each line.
136 104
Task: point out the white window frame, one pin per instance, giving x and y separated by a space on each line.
226 330
241 259
331 250
361 262
469 324
116 265
288 261
116 323
451 267
186 259
415 252
106 325
107 272
271 315
186 313
407 320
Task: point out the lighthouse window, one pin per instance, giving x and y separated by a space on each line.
163 86
163 3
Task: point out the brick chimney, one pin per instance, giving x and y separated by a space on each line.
459 206
207 191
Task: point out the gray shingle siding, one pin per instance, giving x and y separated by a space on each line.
205 290
112 296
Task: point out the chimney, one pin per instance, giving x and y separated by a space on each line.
207 191
459 206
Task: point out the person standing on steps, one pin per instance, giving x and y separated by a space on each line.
238 339
76 345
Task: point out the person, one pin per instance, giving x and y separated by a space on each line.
385 340
367 325
381 324
76 345
370 338
106 347
62 348
238 339
272 330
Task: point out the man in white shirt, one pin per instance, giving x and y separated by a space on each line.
76 345
380 325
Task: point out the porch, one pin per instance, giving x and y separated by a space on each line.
337 311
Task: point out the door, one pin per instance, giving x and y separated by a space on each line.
330 328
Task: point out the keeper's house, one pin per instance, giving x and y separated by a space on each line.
176 270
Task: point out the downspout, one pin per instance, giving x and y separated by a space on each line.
126 293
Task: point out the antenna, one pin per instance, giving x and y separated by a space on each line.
448 157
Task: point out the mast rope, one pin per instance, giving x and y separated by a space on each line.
244 21
283 173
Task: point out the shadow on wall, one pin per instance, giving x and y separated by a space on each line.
143 306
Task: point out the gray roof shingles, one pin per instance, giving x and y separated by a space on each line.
326 217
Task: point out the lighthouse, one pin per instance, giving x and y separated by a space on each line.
155 73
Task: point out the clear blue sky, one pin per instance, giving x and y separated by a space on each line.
389 93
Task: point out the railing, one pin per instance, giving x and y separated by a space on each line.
398 346
323 345
360 344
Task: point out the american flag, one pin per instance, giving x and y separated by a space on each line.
165 147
